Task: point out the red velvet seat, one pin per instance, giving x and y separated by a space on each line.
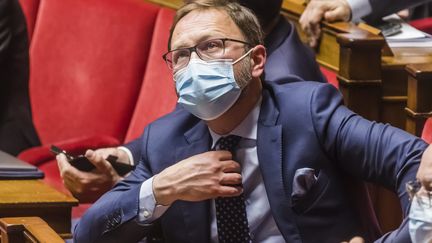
30 10
331 76
87 62
157 96
424 25
427 131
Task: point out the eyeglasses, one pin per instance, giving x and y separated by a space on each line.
413 189
206 50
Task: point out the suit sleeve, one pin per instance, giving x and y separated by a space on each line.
367 150
374 10
134 147
114 217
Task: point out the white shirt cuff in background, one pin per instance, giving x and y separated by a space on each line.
359 9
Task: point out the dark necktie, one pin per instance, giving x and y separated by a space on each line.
231 216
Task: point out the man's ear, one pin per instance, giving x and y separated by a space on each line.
258 60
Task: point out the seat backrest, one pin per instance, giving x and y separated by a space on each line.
87 64
30 10
427 131
157 96
330 75
424 25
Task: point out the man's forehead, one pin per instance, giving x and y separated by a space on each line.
199 25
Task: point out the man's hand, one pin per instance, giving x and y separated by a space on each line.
317 10
89 186
356 239
208 175
424 173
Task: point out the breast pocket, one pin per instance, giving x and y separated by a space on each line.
302 202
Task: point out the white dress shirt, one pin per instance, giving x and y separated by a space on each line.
359 9
262 225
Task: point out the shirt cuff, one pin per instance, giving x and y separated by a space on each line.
359 9
148 210
129 154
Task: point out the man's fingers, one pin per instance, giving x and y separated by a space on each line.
230 191
339 13
231 179
333 15
311 19
222 154
62 162
314 35
230 166
98 161
64 166
357 239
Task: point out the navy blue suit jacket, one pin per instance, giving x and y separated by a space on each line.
301 124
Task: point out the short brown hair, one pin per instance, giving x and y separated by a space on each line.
242 17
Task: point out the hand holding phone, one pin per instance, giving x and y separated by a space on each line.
83 163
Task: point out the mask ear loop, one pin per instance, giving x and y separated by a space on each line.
240 58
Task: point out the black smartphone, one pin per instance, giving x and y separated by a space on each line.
82 163
390 28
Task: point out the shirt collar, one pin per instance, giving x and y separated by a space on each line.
246 129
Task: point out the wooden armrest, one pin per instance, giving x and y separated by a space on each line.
27 229
419 106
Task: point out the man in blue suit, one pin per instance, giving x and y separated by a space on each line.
270 160
287 58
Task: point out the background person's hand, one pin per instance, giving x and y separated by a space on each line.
424 173
208 175
356 239
89 186
318 10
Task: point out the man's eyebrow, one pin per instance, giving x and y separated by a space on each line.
199 40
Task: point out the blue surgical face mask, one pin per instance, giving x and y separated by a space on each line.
207 89
420 220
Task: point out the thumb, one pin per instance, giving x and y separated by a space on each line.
90 154
334 15
98 161
357 239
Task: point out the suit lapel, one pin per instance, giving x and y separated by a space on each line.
196 215
269 146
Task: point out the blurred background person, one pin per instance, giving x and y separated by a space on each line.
16 128
370 11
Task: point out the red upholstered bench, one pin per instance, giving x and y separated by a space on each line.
30 9
331 76
157 96
97 75
427 131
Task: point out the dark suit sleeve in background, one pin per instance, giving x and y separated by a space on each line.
16 128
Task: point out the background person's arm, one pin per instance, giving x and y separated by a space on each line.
347 10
